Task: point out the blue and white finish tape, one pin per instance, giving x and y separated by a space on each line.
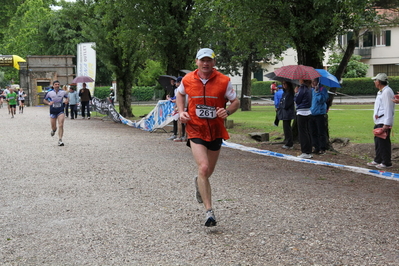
378 173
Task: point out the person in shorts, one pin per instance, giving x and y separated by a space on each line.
12 101
207 91
56 99
21 100
5 92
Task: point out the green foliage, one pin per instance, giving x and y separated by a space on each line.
354 69
102 92
7 75
142 93
26 28
365 86
153 69
260 88
167 31
319 23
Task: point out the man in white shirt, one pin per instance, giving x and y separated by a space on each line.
383 116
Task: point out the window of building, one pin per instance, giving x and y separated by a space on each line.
383 38
390 70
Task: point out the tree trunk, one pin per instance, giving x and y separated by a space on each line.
309 58
124 91
339 73
246 87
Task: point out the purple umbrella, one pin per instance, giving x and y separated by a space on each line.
82 79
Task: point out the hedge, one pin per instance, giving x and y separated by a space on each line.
350 86
101 92
138 93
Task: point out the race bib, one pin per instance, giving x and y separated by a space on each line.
205 111
57 105
11 98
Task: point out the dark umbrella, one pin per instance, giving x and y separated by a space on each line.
273 76
185 71
164 80
82 79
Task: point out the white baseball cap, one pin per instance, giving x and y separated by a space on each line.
205 52
381 76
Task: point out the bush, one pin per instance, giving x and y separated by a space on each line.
260 88
142 93
364 86
101 92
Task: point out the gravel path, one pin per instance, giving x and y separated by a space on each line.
123 196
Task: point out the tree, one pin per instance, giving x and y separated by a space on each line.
355 68
313 25
242 42
168 31
151 72
7 12
118 45
26 28
65 30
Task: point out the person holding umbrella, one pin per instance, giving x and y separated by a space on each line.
286 113
303 100
85 98
317 122
277 97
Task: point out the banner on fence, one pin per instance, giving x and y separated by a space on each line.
159 117
105 107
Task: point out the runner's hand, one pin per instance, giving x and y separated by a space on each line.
184 117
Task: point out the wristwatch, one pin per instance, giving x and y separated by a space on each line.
228 112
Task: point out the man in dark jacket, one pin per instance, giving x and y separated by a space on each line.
85 98
286 112
303 100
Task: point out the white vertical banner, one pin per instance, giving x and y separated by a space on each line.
86 64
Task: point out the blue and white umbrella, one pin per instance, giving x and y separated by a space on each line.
328 79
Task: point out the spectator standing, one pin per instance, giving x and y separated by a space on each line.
273 89
181 126
317 121
65 88
383 117
303 100
73 100
85 98
175 114
286 113
277 97
208 91
112 95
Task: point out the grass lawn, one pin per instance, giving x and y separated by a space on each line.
346 121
